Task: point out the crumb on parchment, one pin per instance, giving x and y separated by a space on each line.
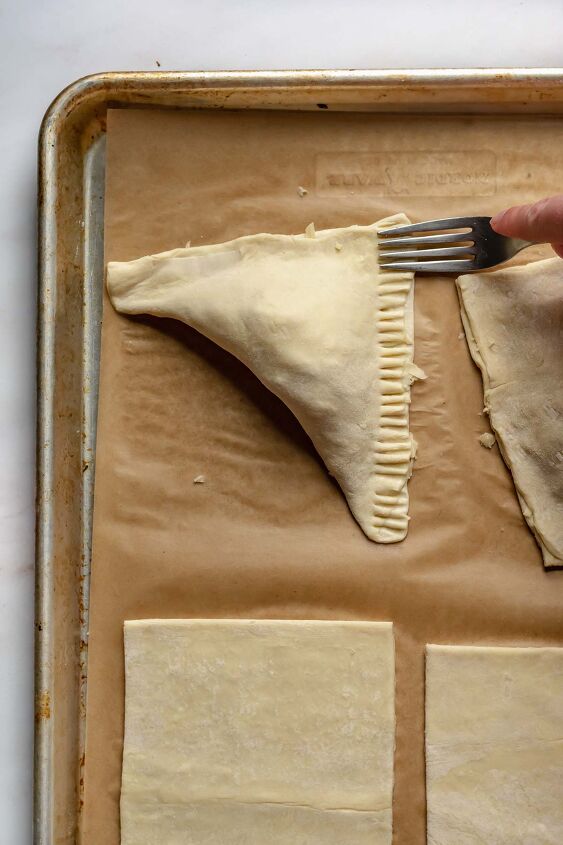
487 440
200 479
302 191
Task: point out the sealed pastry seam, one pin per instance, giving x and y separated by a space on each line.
323 328
394 447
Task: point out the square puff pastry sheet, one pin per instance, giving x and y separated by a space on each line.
323 328
494 745
243 732
513 320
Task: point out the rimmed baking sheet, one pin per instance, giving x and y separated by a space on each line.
320 586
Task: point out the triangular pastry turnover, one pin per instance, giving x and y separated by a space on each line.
513 321
322 327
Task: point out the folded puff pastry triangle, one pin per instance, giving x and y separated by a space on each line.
513 321
322 327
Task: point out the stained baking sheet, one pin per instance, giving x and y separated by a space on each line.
268 534
71 200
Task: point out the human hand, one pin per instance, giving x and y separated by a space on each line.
541 221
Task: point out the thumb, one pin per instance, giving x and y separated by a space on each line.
541 221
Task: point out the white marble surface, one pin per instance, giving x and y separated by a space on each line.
44 46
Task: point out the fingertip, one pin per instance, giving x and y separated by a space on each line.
497 221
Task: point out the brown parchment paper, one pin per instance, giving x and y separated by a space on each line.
268 535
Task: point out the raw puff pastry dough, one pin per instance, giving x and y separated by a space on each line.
249 732
513 321
323 328
494 745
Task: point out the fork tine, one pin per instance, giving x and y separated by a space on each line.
447 252
446 238
455 266
430 226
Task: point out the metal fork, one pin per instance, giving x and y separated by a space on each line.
476 249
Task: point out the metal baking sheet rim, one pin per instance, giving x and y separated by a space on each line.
71 173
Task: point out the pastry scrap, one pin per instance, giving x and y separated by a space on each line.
494 745
487 440
253 732
323 328
513 320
